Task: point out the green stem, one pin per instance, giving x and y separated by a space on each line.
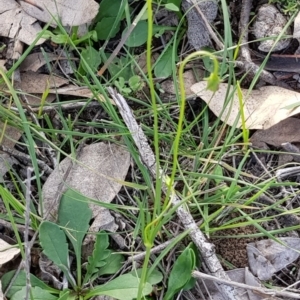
212 83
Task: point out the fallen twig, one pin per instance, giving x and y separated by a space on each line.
260 290
205 248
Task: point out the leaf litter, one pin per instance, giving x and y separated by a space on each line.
84 174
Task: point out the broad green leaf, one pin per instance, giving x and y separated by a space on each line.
154 278
113 263
124 287
37 292
74 216
108 9
138 36
99 255
181 272
175 2
163 67
91 57
20 282
54 243
105 29
171 7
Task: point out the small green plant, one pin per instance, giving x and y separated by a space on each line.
288 6
181 274
133 85
73 222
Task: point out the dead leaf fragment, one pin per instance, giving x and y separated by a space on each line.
286 131
263 108
69 12
7 252
17 24
37 83
97 174
36 60
267 256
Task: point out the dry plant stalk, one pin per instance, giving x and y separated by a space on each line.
206 249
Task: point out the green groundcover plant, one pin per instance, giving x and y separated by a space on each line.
72 226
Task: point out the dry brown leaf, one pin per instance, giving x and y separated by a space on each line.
7 252
37 83
286 131
267 256
98 174
263 108
73 90
17 24
36 60
70 12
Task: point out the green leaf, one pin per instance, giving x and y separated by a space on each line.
171 7
37 293
181 272
54 243
113 263
105 29
138 36
91 57
154 278
163 67
135 82
65 295
99 255
108 8
219 172
120 67
124 287
74 216
59 39
20 282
